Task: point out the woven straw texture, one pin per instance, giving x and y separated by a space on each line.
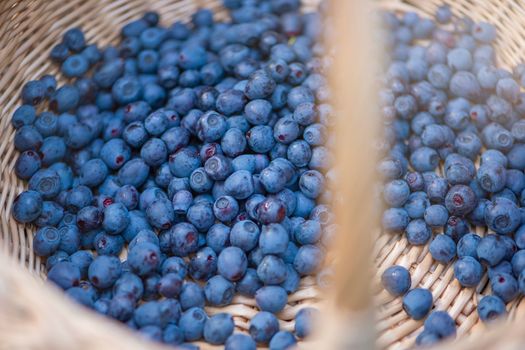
396 329
28 30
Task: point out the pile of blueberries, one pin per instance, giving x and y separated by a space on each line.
181 167
455 145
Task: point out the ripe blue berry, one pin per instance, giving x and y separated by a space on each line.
218 328
263 327
396 280
443 249
417 303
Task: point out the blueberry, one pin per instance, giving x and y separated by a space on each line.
515 181
116 218
154 152
78 198
218 328
106 244
170 285
460 200
396 192
201 215
427 338
519 237
225 208
104 271
27 138
491 177
82 259
467 245
192 323
260 138
81 296
115 153
185 239
230 102
174 265
239 341
308 259
437 189
69 239
64 99
93 172
436 215
147 314
23 115
33 92
491 307
181 201
144 258
456 228
497 137
396 280
191 295
272 270
57 257
46 124
518 262
46 241
504 286
160 213
468 271
128 196
442 248
441 324
59 52
203 264
134 172
263 327
424 159
465 84
395 219
184 161
27 164
121 308
250 283
491 250
219 291
273 239
272 179
417 303
129 285
239 185
74 39
75 66
282 340
502 215
417 232
232 263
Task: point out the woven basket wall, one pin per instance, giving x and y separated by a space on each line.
28 29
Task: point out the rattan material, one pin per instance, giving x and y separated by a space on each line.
28 307
28 30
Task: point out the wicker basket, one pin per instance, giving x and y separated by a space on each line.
397 330
37 316
28 31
